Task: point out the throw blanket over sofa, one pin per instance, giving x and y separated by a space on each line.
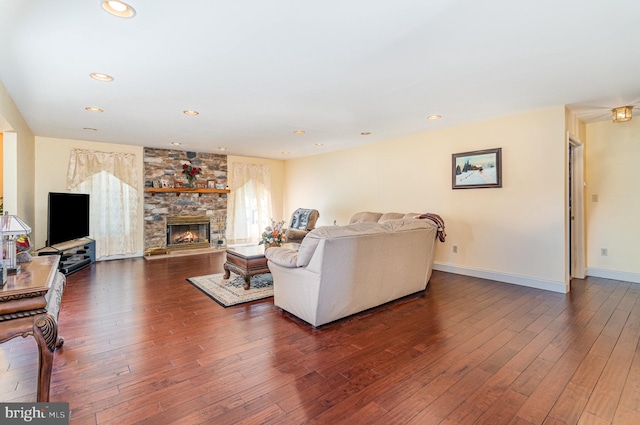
342 270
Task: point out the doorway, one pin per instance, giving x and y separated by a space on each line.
575 208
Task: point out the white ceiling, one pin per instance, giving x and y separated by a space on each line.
257 70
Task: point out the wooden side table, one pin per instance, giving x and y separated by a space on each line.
246 261
29 305
249 261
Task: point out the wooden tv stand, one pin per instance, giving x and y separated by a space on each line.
74 255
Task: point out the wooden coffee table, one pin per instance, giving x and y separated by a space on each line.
248 261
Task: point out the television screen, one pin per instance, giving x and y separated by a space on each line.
68 217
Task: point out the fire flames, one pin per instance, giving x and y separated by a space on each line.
187 237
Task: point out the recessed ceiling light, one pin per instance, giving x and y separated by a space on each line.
92 109
434 117
285 153
319 144
190 112
176 143
90 129
119 9
365 133
222 148
101 77
298 132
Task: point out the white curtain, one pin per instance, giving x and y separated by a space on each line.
249 203
110 178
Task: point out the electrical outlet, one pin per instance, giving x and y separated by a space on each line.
604 252
455 249
594 198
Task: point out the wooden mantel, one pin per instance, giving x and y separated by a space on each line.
179 190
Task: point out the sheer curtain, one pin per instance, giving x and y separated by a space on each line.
249 203
110 179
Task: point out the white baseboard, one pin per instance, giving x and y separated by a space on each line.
120 256
547 285
614 274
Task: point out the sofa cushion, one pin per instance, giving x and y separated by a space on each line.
410 215
365 217
403 225
307 248
282 256
313 238
390 216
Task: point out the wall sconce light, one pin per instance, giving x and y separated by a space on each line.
622 113
12 228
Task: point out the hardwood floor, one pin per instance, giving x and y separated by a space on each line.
145 346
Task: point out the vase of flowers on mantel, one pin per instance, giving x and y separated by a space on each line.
191 173
273 235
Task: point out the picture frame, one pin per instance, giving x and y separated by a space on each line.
219 186
211 184
178 185
201 185
477 169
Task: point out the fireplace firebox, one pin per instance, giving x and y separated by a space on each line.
188 232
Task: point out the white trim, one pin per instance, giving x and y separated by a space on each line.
576 248
547 285
120 256
614 274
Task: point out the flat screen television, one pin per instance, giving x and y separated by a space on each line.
67 217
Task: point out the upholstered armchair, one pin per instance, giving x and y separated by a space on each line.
302 222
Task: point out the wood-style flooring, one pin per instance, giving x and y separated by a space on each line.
143 346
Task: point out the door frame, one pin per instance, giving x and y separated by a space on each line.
575 230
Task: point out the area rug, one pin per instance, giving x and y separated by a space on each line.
228 292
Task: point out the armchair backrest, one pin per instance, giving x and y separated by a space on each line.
304 219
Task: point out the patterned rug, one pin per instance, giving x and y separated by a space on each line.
228 292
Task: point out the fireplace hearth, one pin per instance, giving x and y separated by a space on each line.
188 232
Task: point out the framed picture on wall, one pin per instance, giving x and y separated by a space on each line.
476 169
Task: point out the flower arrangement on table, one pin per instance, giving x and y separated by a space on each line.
273 235
191 172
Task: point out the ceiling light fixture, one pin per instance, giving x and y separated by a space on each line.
90 129
176 143
92 109
434 117
101 77
190 112
319 144
222 148
298 132
119 9
365 133
622 113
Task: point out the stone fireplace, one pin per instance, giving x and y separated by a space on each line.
163 208
188 232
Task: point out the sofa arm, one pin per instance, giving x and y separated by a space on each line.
284 257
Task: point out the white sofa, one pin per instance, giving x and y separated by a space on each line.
342 270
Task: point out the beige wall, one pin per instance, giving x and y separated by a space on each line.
513 234
613 157
277 181
18 160
52 163
1 167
